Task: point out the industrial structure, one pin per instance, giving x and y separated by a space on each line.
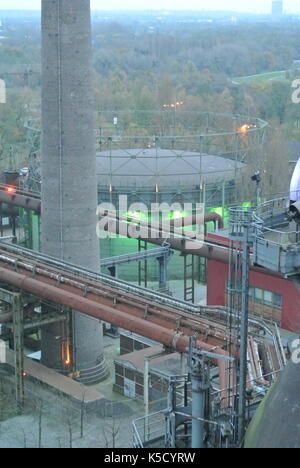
229 317
169 156
37 279
276 297
68 158
277 7
230 352
257 344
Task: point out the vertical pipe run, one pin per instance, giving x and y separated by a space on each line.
18 350
244 335
197 412
200 388
146 397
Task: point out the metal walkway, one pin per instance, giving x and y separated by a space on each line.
135 257
276 239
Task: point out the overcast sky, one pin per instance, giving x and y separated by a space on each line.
237 5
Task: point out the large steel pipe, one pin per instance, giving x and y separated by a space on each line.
173 223
20 201
158 234
168 337
208 248
6 318
193 220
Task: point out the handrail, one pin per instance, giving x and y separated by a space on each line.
274 209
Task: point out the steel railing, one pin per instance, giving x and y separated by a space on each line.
149 428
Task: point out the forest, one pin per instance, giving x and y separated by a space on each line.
192 67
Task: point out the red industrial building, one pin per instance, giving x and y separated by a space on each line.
272 297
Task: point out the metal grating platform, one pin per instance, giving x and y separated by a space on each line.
276 240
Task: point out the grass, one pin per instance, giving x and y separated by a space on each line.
262 77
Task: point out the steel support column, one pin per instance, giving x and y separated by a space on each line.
19 349
241 241
163 262
113 331
15 302
200 388
143 265
244 332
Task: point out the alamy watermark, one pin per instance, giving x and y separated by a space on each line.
184 222
2 352
2 92
296 351
296 93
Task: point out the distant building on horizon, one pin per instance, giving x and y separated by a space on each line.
277 7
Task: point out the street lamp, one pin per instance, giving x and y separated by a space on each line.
257 178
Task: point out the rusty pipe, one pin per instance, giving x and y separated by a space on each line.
144 327
6 210
193 221
167 224
6 318
97 310
210 249
21 201
158 237
34 203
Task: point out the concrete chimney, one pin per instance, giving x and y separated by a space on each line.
69 186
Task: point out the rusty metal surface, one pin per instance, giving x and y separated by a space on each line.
208 248
6 318
172 328
168 325
100 300
21 199
211 249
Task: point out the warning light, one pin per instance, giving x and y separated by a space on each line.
245 128
10 189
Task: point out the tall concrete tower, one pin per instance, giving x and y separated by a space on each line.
69 187
277 7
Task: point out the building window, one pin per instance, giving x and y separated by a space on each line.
258 295
264 297
277 300
268 298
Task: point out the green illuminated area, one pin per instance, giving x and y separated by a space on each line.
177 214
119 245
30 224
138 215
224 213
141 216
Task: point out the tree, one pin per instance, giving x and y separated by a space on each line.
280 97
